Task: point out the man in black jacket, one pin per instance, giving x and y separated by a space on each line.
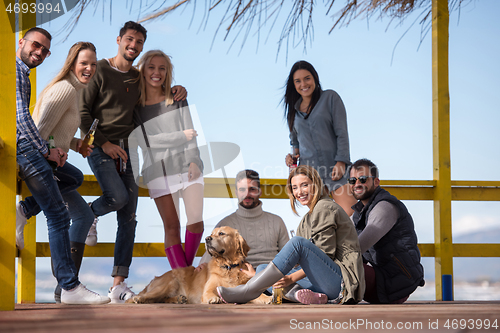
387 238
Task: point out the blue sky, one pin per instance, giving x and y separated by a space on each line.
383 77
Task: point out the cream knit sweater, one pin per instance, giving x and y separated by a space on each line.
264 232
58 115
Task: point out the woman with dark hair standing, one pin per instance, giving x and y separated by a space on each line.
318 130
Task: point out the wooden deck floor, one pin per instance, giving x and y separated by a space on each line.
409 317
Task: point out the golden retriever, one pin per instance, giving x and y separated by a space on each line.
186 285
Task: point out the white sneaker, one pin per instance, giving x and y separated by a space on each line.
81 295
92 235
20 223
120 293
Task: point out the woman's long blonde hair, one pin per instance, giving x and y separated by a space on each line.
73 53
166 85
319 188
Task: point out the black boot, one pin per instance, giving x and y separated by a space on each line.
253 288
77 256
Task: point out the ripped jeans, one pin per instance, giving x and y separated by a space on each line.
120 194
38 176
69 180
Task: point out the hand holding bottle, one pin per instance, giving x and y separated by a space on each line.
83 145
57 156
114 151
82 151
291 160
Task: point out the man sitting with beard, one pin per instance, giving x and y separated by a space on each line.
387 238
265 233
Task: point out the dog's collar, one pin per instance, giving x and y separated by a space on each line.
229 267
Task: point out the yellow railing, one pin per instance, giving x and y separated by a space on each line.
271 189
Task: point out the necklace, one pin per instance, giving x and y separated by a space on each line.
113 63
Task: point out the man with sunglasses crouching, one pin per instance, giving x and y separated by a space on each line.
387 238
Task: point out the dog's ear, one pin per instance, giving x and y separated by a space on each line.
243 247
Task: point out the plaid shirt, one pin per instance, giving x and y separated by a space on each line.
25 125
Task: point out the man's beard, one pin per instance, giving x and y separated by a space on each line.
26 58
254 203
129 58
365 195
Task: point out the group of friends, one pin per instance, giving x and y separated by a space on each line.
360 245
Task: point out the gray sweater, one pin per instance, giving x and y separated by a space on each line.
169 152
322 137
265 233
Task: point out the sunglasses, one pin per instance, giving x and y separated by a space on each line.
35 45
362 179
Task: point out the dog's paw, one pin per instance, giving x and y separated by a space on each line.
267 299
262 299
136 299
215 300
181 299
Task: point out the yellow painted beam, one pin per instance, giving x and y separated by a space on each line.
402 189
107 250
476 250
8 160
475 194
441 143
26 270
427 250
157 250
464 250
476 183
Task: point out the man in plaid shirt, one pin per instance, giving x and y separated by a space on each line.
33 158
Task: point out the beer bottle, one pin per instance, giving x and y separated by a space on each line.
121 165
52 144
89 138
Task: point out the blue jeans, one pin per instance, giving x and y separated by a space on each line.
37 174
70 179
120 192
323 274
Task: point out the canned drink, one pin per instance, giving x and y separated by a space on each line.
277 297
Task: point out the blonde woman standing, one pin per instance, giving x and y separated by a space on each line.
172 164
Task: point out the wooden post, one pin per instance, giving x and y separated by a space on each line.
7 159
441 144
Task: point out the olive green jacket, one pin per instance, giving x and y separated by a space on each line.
329 228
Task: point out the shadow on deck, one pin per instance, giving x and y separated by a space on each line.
409 317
